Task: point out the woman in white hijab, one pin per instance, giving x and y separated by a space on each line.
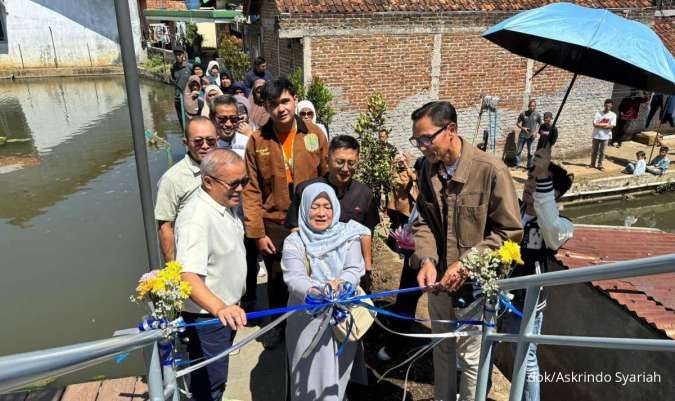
210 92
306 111
213 73
323 251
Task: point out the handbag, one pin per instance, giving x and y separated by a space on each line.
361 318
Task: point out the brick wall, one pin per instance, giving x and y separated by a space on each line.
282 54
395 55
167 4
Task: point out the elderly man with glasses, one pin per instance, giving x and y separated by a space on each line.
180 182
210 246
466 199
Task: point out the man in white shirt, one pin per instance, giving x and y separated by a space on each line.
210 247
230 122
603 123
181 181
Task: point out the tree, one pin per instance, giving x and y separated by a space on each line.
235 60
376 159
317 93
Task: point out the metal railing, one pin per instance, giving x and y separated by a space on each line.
20 370
17 371
533 284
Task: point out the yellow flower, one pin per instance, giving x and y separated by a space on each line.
185 289
143 288
158 285
510 253
174 266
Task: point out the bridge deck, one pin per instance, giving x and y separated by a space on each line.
124 389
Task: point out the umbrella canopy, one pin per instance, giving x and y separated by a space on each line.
592 42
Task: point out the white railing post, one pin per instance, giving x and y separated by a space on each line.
155 384
520 363
486 348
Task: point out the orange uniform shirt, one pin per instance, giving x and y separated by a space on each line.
287 141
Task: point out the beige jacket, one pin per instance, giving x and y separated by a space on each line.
476 207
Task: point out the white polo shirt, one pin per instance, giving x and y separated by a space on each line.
210 243
176 187
237 144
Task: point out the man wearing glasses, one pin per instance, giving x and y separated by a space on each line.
466 199
356 199
210 247
225 116
281 154
181 181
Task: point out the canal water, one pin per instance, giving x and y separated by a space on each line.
71 231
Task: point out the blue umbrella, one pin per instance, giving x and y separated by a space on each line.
592 42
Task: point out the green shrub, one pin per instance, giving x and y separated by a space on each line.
317 93
376 158
236 60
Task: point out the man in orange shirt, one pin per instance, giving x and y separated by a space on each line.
281 154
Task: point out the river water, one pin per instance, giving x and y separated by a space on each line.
72 243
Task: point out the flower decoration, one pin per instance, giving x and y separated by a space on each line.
165 290
404 238
487 266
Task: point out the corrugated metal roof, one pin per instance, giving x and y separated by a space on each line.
370 6
649 298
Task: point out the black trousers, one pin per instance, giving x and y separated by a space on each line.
252 268
655 105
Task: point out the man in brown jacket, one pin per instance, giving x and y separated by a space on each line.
281 154
466 199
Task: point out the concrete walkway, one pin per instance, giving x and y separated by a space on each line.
256 374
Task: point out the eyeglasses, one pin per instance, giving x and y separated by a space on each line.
199 141
224 119
426 140
243 181
306 114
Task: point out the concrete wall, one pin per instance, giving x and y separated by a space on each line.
583 310
65 33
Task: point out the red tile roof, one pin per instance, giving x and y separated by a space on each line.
650 298
665 28
369 6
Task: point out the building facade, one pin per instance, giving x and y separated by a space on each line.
414 52
62 33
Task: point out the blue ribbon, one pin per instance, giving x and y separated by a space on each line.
509 306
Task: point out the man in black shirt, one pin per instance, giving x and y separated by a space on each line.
180 72
356 199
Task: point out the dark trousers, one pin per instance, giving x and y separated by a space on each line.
667 118
619 132
208 383
178 104
252 268
277 292
406 304
522 142
655 105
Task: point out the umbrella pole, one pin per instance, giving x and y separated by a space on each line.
569 89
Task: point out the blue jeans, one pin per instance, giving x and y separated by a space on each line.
511 324
208 384
522 141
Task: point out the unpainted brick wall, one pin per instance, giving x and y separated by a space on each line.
356 55
282 55
167 4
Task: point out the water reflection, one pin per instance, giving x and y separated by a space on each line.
79 130
651 211
70 220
